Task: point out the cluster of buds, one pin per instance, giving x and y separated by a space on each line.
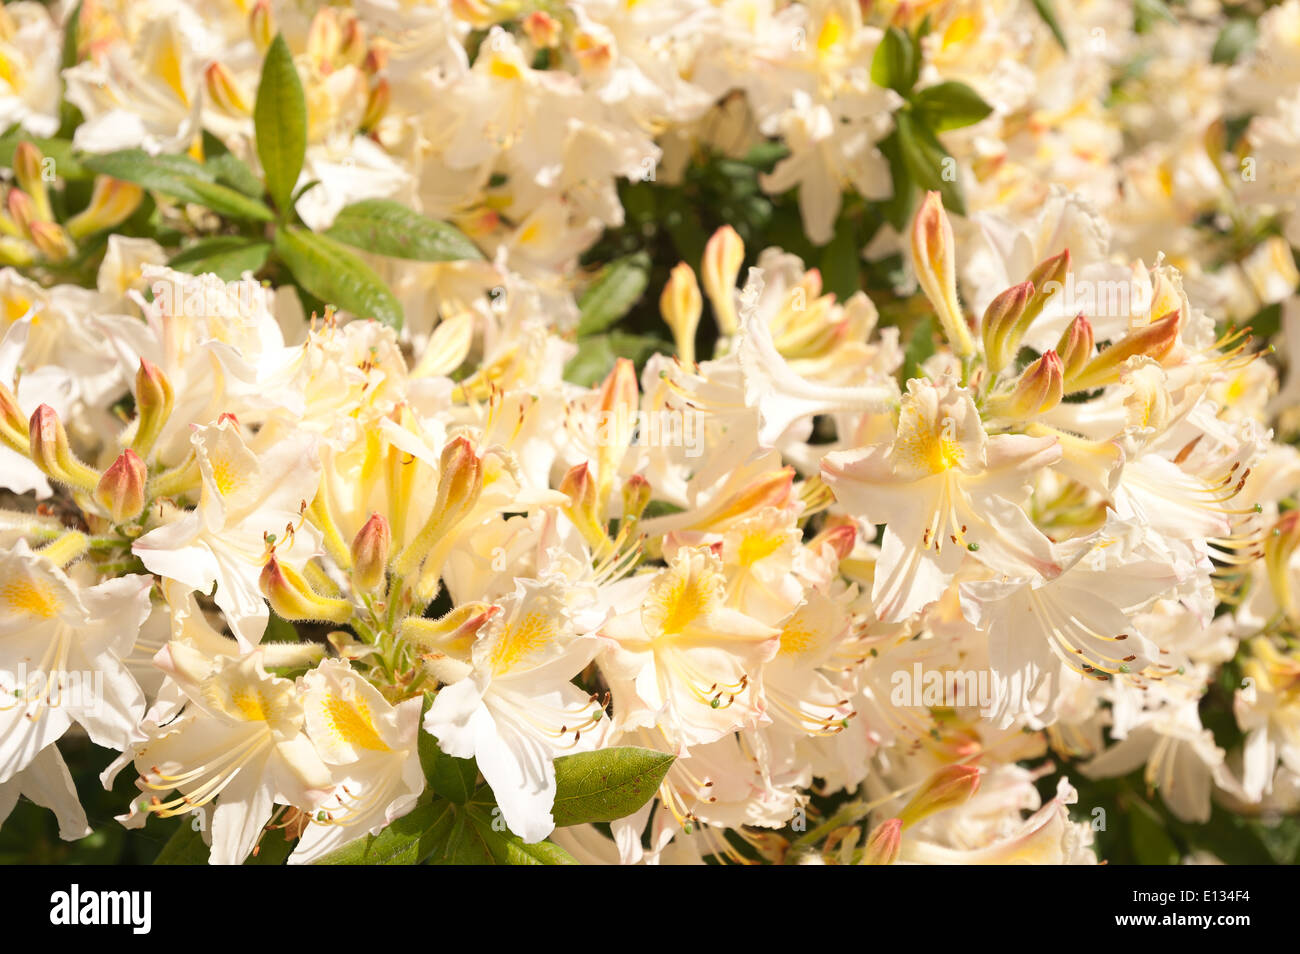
1075 365
30 232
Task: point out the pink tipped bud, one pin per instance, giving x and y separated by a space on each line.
1155 341
947 788
261 24
542 29
52 454
153 406
370 551
376 104
224 90
884 843
681 306
1039 389
293 598
636 497
52 241
121 490
1076 346
934 260
840 537
1000 318
29 170
723 255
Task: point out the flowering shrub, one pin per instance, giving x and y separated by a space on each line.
660 432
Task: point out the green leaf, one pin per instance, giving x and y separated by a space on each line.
896 63
280 124
184 847
328 270
226 256
228 168
443 833
949 105
597 354
898 208
506 848
616 289
840 261
451 778
928 163
179 177
389 228
1150 842
607 784
1235 38
1147 12
1047 10
407 841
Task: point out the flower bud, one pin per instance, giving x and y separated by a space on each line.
542 29
261 24
52 241
111 203
28 172
352 47
723 255
883 843
376 104
636 497
584 504
292 597
947 788
1155 340
1048 279
1039 389
224 90
1076 346
370 551
681 305
841 538
936 270
999 318
51 453
153 406
121 490
21 211
460 479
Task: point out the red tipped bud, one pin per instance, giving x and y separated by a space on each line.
121 490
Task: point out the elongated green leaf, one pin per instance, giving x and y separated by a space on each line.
616 289
1047 11
227 256
280 124
184 847
389 228
949 105
898 208
607 784
927 163
896 63
179 177
328 270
